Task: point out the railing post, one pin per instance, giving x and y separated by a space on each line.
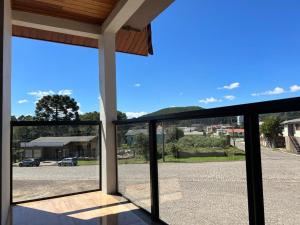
153 171
254 170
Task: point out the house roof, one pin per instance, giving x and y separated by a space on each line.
56 141
136 132
291 121
236 130
144 131
29 18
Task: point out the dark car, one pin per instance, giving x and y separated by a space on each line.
29 163
68 162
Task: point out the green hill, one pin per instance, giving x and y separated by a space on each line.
171 110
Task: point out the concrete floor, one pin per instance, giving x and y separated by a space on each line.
93 208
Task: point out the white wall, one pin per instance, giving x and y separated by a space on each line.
108 111
285 131
297 133
5 148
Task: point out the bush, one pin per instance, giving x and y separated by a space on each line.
141 146
196 143
173 134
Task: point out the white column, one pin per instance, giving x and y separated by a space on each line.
108 111
5 82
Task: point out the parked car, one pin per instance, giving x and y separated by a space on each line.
29 163
68 162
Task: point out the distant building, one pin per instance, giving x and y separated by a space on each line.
240 120
194 133
218 130
291 133
56 148
236 132
132 133
193 130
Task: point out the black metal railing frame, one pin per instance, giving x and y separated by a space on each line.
251 114
52 123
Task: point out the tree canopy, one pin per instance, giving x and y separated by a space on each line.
173 134
90 116
57 107
271 128
95 116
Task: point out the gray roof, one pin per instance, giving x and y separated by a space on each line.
134 132
55 141
291 121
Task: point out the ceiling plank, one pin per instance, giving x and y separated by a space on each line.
55 24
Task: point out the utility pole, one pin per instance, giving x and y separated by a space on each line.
163 141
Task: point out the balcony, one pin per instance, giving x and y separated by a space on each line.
198 167
223 181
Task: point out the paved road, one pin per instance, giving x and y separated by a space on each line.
196 194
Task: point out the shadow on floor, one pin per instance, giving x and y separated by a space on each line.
30 216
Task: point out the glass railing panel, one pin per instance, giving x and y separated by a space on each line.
280 155
202 171
133 163
49 161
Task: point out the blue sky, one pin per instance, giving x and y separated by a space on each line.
209 53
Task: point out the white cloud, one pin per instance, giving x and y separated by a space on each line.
137 85
275 91
40 94
22 101
231 86
65 92
229 97
131 115
295 88
209 100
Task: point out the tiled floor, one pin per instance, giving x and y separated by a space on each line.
93 208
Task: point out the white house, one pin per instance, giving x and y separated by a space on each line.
291 133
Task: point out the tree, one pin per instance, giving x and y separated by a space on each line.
173 134
95 116
57 107
13 118
25 118
141 146
121 116
90 116
271 128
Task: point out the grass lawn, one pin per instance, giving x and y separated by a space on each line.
87 162
172 159
132 161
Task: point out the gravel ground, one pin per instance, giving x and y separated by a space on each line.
216 193
47 181
56 173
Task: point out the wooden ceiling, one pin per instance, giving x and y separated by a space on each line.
133 42
88 11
